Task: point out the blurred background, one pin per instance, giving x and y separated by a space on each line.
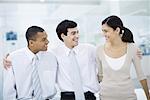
17 15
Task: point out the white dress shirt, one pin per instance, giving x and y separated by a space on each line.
20 75
85 54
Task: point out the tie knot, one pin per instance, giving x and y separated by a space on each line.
72 52
34 59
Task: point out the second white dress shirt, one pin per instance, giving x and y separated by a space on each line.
85 54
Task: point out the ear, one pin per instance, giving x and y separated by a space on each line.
62 36
118 30
31 42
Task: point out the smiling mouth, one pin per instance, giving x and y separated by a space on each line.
76 41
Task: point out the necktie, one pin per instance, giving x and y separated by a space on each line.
36 80
76 77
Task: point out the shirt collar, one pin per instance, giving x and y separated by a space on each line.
67 50
76 50
30 54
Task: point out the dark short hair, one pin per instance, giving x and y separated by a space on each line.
63 27
114 22
32 32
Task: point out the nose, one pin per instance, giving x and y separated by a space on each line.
77 35
47 41
104 33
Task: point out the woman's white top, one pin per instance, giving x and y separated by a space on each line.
116 62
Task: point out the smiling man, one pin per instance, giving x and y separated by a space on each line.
77 77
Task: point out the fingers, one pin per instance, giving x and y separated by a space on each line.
6 62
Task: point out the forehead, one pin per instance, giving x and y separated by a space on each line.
41 34
106 27
72 29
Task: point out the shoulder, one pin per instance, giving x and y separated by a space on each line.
17 52
18 55
99 48
132 49
47 54
132 46
47 60
58 50
86 46
99 51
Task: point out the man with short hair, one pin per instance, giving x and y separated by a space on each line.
31 76
68 33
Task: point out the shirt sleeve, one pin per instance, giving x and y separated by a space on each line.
99 64
137 63
9 91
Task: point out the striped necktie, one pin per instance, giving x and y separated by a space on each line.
37 90
76 77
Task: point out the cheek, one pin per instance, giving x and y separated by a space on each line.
41 44
69 39
111 34
108 34
113 37
73 38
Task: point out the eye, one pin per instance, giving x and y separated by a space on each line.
44 39
104 31
73 33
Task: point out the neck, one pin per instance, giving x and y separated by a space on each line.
68 46
117 42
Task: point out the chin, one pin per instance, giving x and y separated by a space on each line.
75 45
